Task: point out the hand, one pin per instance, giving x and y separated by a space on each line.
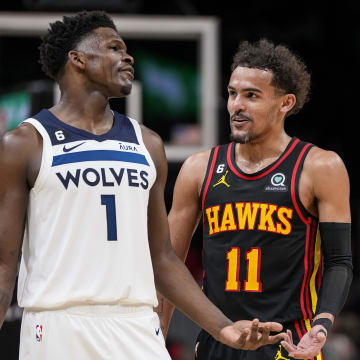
309 346
250 335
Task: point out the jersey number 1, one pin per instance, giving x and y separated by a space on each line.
109 202
252 283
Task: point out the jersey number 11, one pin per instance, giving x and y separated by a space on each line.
252 282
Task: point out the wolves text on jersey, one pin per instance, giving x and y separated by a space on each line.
106 177
249 216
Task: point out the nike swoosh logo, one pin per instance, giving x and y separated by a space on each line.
157 331
65 149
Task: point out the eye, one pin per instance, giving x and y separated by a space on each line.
115 48
232 93
252 95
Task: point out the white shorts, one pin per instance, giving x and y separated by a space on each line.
98 332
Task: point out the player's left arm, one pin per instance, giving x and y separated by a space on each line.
331 191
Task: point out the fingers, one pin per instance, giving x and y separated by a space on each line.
289 347
274 339
288 343
265 336
273 326
321 336
242 339
303 354
289 334
254 331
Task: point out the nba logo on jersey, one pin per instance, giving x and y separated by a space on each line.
38 333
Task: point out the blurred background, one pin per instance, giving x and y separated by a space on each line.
183 50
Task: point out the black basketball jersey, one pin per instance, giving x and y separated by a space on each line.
261 252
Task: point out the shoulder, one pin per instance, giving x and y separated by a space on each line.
193 170
20 155
20 143
154 145
323 162
151 137
198 161
326 171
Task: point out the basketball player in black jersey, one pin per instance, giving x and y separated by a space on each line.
275 213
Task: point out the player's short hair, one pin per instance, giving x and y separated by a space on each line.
63 36
290 74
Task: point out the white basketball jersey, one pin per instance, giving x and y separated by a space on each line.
86 239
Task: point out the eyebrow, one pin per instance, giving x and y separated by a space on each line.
109 41
246 89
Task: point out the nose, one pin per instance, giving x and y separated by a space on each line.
129 59
237 103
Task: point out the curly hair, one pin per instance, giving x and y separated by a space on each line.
63 36
289 72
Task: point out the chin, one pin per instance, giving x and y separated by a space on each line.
124 90
241 138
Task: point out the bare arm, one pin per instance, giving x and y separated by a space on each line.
184 215
16 174
331 186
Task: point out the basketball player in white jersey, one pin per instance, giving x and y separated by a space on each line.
81 191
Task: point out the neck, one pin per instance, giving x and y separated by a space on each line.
258 154
90 112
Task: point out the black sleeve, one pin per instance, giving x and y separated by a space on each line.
338 269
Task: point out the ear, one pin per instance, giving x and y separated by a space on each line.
77 58
288 102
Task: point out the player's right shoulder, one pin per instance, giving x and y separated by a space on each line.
197 161
194 168
19 145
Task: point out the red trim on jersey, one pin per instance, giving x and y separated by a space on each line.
213 161
293 178
307 222
297 327
282 158
303 326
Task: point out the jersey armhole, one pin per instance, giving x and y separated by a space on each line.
208 175
295 180
46 155
138 133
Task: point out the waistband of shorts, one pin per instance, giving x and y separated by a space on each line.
99 310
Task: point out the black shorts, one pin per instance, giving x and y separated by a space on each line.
207 348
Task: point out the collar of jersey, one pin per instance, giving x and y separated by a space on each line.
263 172
83 133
